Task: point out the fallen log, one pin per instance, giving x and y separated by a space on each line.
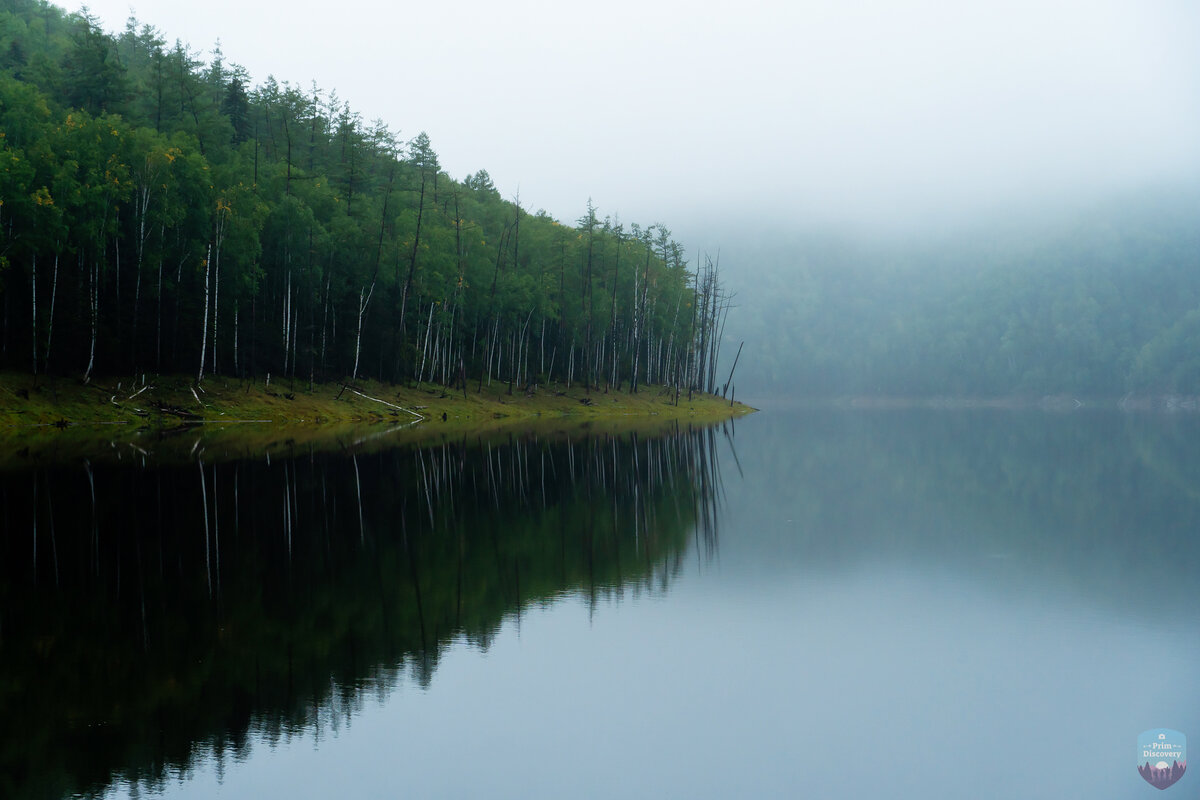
175 411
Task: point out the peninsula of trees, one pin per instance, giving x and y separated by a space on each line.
161 214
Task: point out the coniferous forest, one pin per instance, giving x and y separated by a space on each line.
163 213
1098 303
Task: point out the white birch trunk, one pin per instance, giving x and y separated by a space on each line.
425 347
216 287
287 317
33 285
50 328
363 302
94 303
235 337
204 330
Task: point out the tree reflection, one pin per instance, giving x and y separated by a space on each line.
163 612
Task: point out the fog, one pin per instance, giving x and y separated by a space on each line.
869 115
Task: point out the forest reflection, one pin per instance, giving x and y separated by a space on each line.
151 614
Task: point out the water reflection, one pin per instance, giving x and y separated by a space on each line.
151 615
1104 506
951 591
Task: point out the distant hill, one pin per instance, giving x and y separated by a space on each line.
1096 304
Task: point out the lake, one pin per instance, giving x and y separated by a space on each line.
804 603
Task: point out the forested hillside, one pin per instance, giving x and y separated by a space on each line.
164 213
1095 303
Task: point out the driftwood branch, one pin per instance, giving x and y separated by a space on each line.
386 403
175 411
731 369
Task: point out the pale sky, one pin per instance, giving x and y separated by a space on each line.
796 111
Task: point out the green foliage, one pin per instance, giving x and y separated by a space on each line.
1096 307
1170 362
272 226
93 78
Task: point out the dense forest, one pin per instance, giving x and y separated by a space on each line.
1095 301
160 213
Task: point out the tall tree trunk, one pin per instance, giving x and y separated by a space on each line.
94 303
220 237
50 327
158 314
204 330
363 302
412 268
33 287
143 205
612 313
325 318
216 296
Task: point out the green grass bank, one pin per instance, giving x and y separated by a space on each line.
47 420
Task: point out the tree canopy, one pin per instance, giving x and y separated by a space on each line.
160 212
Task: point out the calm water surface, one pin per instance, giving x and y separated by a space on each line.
806 604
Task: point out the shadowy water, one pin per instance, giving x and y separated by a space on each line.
902 604
150 617
982 604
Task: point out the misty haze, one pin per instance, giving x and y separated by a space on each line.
641 400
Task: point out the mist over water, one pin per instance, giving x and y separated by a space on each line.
1092 303
916 207
831 603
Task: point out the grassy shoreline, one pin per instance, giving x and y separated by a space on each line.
56 420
